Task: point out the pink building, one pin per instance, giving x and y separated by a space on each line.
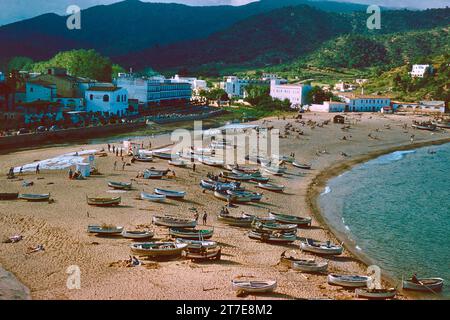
295 93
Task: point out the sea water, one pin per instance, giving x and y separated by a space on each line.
396 210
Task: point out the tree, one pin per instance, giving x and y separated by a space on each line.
19 63
317 95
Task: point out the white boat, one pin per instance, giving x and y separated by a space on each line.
276 237
254 286
170 193
347 281
201 250
271 187
120 185
163 155
255 197
223 195
149 174
301 165
274 171
235 221
258 219
211 161
174 222
274 226
191 233
34 197
236 177
153 197
424 284
312 266
157 249
284 218
178 163
111 230
135 234
321 247
375 294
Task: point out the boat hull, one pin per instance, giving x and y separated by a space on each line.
347 281
429 285
173 222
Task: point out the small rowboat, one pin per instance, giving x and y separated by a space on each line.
271 187
149 174
252 195
235 221
174 222
258 219
153 197
428 127
375 294
236 177
211 162
201 250
223 195
142 158
284 218
301 165
130 234
273 236
120 185
191 234
9 196
424 284
347 281
254 286
311 266
273 226
158 249
321 248
103 202
244 170
171 193
178 163
34 197
212 185
163 155
111 230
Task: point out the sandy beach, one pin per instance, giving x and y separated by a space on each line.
61 226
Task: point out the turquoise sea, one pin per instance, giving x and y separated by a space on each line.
396 210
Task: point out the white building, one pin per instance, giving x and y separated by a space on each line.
112 100
328 106
40 90
155 90
235 87
196 84
365 103
295 93
419 70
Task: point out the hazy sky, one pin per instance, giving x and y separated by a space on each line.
14 10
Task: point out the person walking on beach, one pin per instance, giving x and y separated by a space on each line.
20 171
205 218
115 165
193 167
196 216
109 147
70 174
38 169
123 166
412 138
121 152
117 152
114 149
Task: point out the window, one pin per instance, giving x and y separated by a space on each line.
91 97
31 89
105 98
118 98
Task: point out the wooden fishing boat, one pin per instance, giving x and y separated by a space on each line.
274 226
120 185
271 187
375 294
236 177
255 197
235 221
153 197
284 218
258 219
276 237
347 281
301 165
149 174
211 162
163 155
201 250
209 184
34 197
254 286
223 195
174 222
191 233
136 234
321 248
143 158
171 193
107 230
103 202
310 265
424 284
178 163
9 196
158 249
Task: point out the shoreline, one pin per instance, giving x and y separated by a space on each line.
320 181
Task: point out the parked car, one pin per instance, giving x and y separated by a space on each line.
41 129
23 131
